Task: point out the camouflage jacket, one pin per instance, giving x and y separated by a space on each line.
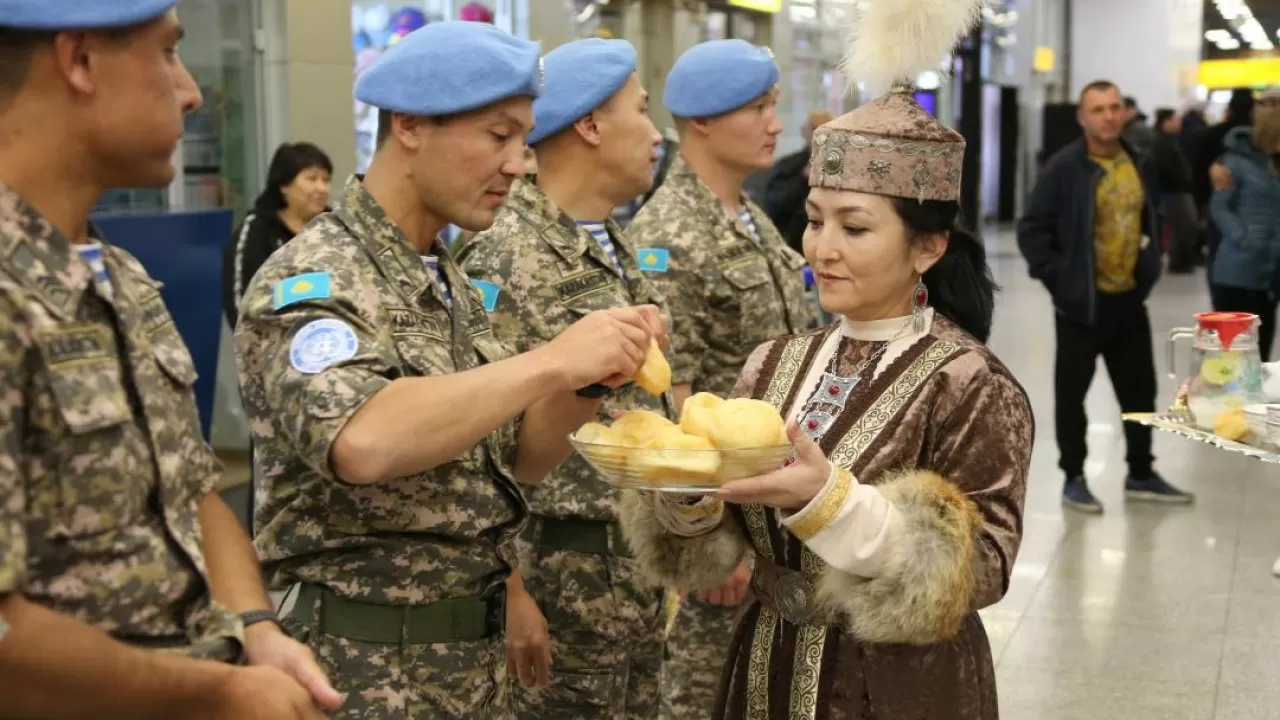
411 540
102 464
550 272
726 294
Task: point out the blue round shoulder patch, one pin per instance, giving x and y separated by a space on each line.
320 344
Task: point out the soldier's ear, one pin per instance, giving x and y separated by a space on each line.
589 130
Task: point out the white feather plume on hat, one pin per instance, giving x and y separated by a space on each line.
893 41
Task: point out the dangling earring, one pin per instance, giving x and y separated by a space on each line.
921 302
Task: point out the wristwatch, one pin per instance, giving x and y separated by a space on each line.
595 392
253 617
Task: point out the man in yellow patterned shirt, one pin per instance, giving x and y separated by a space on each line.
1117 231
1087 235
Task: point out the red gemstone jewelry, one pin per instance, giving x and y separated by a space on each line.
922 294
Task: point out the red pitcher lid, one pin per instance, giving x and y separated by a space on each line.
1227 324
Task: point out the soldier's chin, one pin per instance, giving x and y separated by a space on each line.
155 174
478 220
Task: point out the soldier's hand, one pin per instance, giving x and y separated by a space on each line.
260 693
658 323
732 591
606 346
528 640
265 644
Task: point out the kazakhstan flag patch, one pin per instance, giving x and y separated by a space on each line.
653 259
488 293
308 286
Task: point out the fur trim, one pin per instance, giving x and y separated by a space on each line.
683 563
926 588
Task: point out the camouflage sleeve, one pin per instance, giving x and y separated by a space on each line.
13 491
307 365
684 284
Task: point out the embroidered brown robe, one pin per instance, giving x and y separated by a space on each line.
944 432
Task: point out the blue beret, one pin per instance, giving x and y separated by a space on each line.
715 77
450 67
581 76
50 15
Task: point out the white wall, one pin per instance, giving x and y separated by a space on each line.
1148 47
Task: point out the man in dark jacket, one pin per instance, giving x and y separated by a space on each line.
1088 235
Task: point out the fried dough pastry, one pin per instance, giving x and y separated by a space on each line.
745 423
655 375
695 416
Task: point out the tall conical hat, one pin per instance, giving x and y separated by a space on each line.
891 145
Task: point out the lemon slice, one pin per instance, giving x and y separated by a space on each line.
1219 371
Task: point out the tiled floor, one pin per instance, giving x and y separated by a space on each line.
1144 613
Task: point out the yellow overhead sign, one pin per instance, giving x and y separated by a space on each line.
1044 60
765 6
1253 72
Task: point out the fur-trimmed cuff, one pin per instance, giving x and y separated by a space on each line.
683 563
925 590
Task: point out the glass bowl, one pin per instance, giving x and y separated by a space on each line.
678 471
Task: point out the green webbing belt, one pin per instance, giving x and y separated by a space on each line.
593 537
442 621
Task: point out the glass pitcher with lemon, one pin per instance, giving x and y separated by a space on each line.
1226 367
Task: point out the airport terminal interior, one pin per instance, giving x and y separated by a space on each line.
1147 611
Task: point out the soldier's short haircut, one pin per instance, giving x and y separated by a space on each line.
17 48
384 128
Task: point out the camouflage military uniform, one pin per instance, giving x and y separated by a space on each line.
102 465
728 291
606 626
388 571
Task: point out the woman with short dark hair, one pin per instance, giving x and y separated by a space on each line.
297 190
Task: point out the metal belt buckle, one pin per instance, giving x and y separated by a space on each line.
794 598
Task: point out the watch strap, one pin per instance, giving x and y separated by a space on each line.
253 617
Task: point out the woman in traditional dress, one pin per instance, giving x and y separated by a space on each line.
900 514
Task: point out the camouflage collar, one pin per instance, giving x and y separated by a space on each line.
40 257
391 250
705 202
553 225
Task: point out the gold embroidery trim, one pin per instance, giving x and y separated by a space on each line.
830 499
874 420
789 366
758 528
810 641
788 372
758 670
699 511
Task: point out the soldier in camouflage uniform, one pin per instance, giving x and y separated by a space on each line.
114 545
730 282
392 425
596 147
